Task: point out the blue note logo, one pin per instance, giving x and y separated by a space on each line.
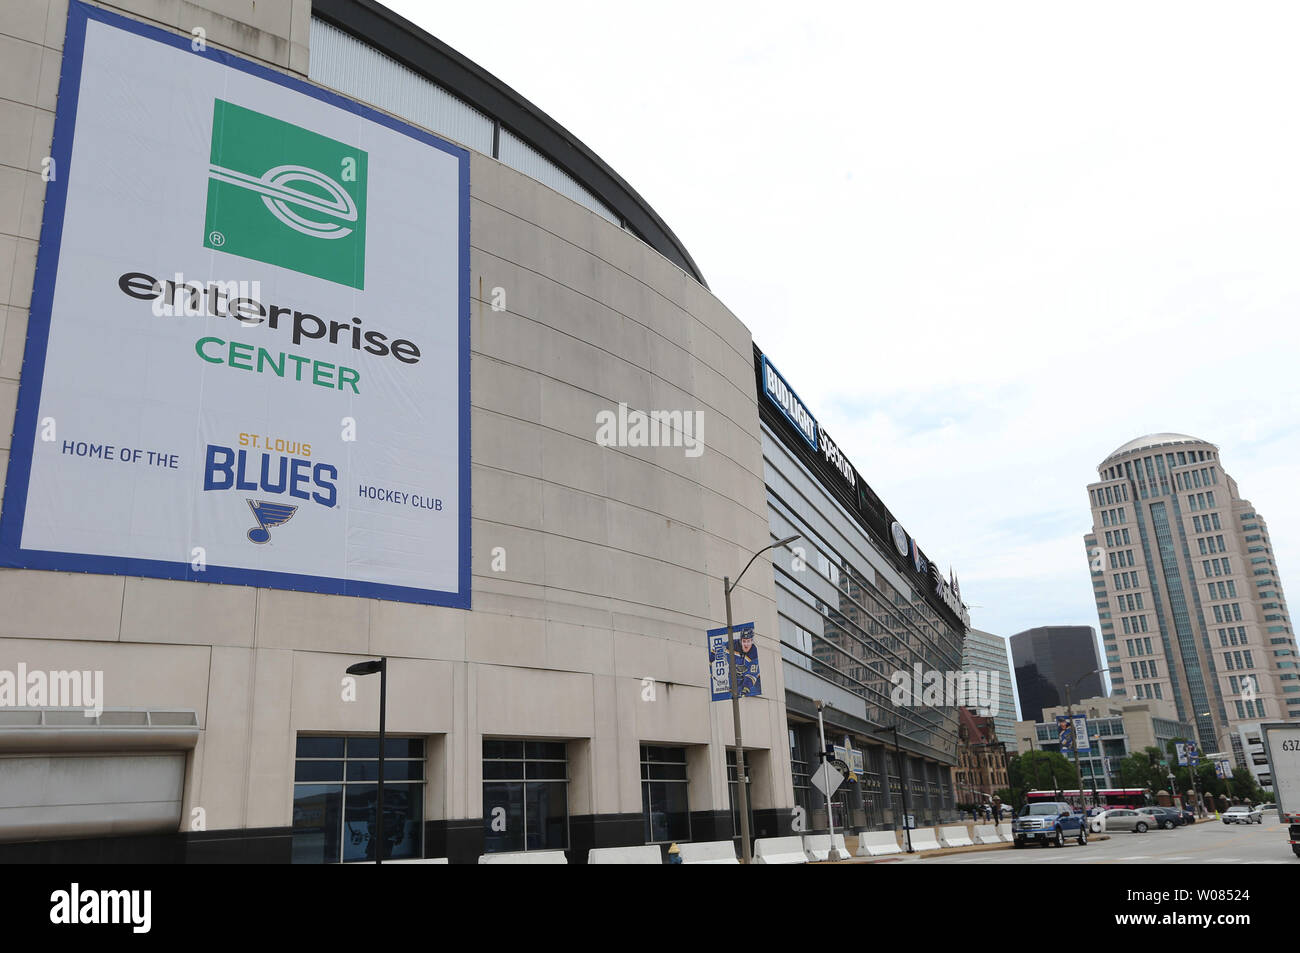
268 515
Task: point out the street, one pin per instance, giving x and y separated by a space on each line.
1205 842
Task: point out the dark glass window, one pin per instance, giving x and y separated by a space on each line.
335 794
799 769
663 794
525 795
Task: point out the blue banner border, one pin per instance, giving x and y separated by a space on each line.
18 477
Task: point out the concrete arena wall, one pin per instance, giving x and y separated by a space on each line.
614 556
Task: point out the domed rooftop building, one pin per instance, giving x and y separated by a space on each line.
1188 595
1153 440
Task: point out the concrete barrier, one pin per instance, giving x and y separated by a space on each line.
410 860
820 847
649 854
926 840
955 837
878 843
708 852
986 834
420 860
525 857
780 850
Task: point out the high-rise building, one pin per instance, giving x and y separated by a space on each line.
1051 658
984 652
1188 593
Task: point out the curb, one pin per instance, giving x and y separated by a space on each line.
943 852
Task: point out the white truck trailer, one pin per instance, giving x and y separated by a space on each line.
1282 747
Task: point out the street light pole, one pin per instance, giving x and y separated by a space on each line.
1069 713
370 668
383 717
1218 740
742 791
902 786
1075 735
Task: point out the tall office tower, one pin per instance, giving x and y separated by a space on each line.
984 652
1051 658
1188 595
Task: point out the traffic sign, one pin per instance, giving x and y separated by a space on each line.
826 779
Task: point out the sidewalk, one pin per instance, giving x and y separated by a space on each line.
851 843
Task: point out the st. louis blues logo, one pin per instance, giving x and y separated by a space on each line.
268 515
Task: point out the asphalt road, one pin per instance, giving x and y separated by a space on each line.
1205 842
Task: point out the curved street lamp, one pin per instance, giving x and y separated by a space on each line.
1218 740
1069 706
741 780
370 668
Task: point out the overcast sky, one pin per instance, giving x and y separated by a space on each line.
987 243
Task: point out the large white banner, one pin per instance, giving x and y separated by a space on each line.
247 357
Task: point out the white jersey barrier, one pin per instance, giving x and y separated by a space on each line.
821 847
955 837
780 850
926 840
708 852
878 843
525 857
649 854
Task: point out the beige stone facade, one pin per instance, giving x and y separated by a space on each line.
592 634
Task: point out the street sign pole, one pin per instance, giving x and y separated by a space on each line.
830 807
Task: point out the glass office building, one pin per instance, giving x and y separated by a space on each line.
1188 590
1051 658
861 609
987 653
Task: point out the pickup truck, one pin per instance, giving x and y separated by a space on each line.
1048 822
1282 747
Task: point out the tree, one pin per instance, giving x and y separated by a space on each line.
1143 770
1134 771
1245 786
1046 771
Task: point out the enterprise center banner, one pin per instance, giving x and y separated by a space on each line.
248 350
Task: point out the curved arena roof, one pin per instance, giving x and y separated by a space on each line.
512 119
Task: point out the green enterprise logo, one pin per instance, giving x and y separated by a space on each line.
275 195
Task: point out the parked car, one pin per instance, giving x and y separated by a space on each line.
1241 814
1189 817
1166 818
1123 819
1268 807
1048 822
